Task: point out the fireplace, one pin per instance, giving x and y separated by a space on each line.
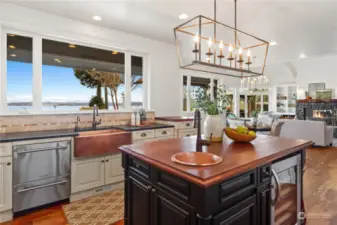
318 110
327 115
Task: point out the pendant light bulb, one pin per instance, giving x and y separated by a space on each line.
210 42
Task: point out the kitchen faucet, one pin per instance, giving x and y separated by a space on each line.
197 124
95 113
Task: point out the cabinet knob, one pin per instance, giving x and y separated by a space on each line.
164 132
102 161
187 124
107 160
143 135
8 164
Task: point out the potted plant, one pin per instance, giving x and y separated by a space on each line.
215 109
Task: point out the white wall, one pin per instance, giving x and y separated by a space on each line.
316 70
164 75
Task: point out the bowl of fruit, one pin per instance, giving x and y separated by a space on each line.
240 134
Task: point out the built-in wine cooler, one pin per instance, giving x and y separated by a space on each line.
286 191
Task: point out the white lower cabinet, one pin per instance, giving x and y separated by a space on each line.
87 174
6 183
96 172
113 169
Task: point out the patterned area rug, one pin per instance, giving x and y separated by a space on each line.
104 209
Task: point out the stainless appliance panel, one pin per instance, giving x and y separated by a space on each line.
40 161
41 192
287 191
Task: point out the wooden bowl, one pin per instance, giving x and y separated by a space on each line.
196 158
235 136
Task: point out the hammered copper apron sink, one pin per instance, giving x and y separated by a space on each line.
100 142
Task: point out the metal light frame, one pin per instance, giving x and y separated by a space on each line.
244 73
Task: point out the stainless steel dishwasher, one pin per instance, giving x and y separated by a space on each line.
41 174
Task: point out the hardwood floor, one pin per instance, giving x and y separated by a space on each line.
320 193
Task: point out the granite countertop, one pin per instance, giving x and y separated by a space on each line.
237 157
175 118
31 135
145 127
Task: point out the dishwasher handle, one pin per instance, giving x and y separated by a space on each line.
42 186
40 149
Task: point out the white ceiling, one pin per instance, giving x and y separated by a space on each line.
299 26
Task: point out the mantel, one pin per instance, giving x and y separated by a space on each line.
316 101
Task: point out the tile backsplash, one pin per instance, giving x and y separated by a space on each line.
23 123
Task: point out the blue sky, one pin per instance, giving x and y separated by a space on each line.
58 83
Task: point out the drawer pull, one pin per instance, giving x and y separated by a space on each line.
187 124
102 161
164 132
42 186
143 135
187 135
8 164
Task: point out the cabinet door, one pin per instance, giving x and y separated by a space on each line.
87 174
139 205
264 203
113 169
170 212
242 213
6 181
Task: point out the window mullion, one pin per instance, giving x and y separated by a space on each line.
127 80
37 74
3 73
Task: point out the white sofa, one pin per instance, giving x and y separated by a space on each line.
315 131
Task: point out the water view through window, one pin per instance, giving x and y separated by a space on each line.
19 72
76 77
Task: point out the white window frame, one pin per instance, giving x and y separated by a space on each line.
261 94
37 73
221 81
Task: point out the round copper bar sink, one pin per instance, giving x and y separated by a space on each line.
196 158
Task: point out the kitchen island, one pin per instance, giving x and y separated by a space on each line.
243 189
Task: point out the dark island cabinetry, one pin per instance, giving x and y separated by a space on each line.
156 197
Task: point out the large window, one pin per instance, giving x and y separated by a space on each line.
86 75
19 72
61 75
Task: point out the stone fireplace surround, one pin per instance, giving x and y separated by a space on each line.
326 109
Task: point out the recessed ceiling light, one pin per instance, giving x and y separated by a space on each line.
183 16
57 60
72 46
12 55
115 52
12 46
272 43
98 18
302 56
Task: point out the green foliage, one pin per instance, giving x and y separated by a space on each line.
142 114
98 101
215 107
254 113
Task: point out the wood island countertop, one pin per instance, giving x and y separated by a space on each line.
237 157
